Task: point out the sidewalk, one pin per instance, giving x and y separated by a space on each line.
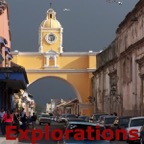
4 141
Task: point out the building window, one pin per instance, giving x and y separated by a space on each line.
129 69
126 41
51 61
124 72
114 101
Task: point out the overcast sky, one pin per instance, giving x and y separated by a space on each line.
89 25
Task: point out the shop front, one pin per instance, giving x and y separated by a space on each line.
12 79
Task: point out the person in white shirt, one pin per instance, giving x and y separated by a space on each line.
22 113
2 112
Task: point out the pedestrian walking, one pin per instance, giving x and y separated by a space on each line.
22 113
2 125
116 121
24 121
16 119
34 118
7 119
142 135
2 112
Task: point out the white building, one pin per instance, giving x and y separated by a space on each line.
54 103
48 108
28 103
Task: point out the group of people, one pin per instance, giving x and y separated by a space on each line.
16 118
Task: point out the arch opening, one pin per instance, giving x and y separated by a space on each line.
48 88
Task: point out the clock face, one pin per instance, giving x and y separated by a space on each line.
51 37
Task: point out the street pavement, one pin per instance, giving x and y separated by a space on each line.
4 141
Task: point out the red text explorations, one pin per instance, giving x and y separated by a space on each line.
78 134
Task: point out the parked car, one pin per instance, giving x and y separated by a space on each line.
53 118
107 121
120 123
64 117
100 119
73 120
44 119
38 117
86 118
83 126
142 135
95 117
51 114
134 123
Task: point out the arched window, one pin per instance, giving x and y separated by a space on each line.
51 61
50 15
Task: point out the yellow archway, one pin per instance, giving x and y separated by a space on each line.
51 61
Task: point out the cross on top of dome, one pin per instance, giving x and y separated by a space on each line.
51 13
50 5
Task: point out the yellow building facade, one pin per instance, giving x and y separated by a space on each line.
51 61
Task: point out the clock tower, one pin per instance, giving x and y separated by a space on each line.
50 34
74 68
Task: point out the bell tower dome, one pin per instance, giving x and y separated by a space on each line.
50 34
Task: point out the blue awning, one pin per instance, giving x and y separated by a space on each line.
14 84
14 78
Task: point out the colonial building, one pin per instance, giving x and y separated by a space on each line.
72 107
69 107
48 108
12 77
54 103
118 82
